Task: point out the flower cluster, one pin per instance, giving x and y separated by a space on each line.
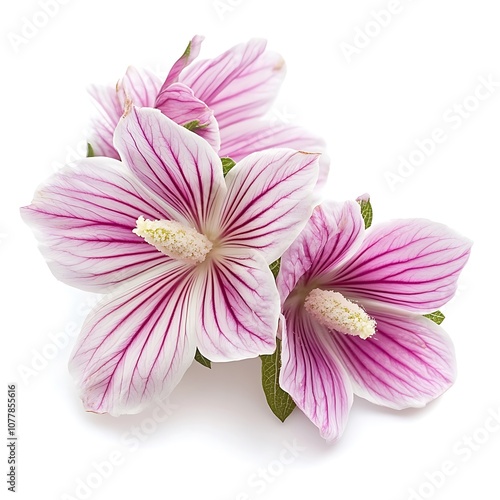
202 223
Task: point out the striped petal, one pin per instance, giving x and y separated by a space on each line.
270 198
240 307
179 103
408 362
83 218
140 86
175 164
312 373
248 136
412 264
103 126
137 343
189 55
333 233
239 84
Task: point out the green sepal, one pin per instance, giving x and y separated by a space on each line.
279 401
202 360
227 165
192 126
366 211
90 150
187 52
437 316
275 267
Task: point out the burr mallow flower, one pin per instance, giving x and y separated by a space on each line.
222 99
353 305
183 251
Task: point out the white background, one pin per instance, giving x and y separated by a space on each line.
221 435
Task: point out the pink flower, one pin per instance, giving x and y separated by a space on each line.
184 251
221 99
353 305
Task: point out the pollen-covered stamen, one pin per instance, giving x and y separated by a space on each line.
173 239
334 311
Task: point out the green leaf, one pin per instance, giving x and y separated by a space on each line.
366 211
202 360
275 267
227 165
90 150
436 316
278 400
192 126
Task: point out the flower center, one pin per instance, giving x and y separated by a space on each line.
173 239
334 311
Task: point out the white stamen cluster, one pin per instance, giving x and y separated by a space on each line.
334 311
174 239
